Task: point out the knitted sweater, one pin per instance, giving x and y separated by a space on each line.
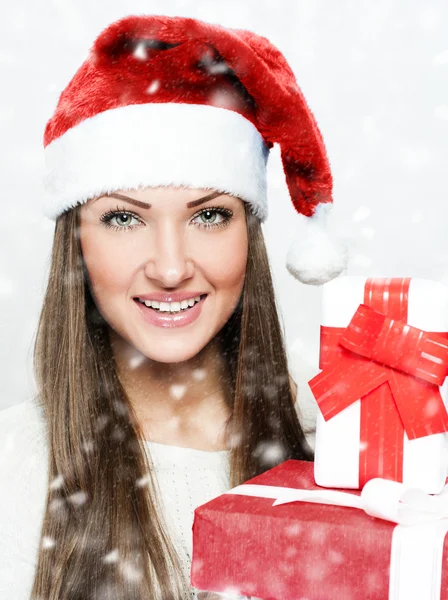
187 478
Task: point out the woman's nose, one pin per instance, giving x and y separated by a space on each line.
169 262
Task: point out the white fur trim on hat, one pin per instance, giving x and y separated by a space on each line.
315 257
157 144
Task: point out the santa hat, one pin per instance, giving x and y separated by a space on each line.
164 101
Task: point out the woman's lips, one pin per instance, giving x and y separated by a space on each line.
166 319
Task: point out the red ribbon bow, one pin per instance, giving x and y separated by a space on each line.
395 370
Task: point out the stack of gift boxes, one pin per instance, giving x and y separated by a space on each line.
291 533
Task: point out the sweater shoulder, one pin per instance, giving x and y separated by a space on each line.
22 430
23 454
24 483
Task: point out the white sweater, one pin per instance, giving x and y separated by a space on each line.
186 477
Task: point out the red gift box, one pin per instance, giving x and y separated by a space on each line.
307 551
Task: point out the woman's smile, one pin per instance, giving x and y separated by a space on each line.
174 314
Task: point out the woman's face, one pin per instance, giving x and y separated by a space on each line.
157 248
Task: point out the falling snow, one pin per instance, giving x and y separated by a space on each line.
111 557
48 543
178 391
77 499
361 214
140 52
153 87
57 482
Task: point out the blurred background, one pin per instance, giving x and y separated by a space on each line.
375 75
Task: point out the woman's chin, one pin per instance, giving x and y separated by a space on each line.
173 351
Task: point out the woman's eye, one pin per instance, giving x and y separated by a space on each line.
212 217
119 220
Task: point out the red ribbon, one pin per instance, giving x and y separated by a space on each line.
395 370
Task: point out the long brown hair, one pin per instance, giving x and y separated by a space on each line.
102 516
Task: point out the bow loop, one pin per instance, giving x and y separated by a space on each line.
397 345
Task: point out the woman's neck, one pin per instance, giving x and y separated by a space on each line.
181 404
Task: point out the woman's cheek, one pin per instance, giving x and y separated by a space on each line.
225 261
110 269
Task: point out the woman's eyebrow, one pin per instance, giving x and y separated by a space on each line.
141 204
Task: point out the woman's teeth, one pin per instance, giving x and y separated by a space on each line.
171 307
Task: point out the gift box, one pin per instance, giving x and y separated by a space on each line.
381 391
245 544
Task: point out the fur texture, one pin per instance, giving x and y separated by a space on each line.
315 256
153 59
154 145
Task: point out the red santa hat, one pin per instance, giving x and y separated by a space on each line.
174 101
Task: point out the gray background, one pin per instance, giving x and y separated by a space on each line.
375 76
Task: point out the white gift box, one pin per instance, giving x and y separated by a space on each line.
337 448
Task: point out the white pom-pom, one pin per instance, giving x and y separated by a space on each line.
315 257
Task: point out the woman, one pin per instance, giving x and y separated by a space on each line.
160 362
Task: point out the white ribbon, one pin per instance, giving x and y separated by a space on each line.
381 498
417 541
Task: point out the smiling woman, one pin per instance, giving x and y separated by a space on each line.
159 357
172 252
